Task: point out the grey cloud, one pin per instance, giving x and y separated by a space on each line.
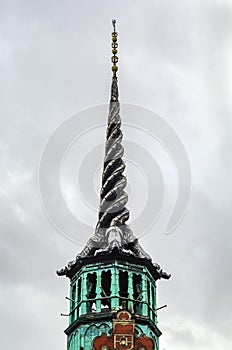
174 59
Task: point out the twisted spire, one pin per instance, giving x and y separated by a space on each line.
113 198
112 230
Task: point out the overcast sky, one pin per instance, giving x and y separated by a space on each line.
175 59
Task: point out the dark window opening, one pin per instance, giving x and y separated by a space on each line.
123 286
138 293
153 297
105 288
91 282
79 291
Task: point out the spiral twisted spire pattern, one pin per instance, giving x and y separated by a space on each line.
113 198
112 233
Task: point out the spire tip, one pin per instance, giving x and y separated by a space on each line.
114 23
114 45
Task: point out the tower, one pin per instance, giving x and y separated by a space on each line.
113 280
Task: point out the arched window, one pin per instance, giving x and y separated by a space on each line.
91 290
105 287
123 286
138 293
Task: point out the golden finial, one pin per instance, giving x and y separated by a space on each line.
114 45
